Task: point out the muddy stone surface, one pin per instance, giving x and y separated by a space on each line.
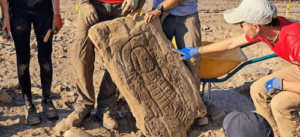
158 88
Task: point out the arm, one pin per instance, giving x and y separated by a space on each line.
292 86
4 7
277 84
167 4
57 21
226 44
56 7
88 12
6 21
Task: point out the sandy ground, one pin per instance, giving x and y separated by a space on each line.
230 95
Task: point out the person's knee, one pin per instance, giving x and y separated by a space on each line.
45 64
22 68
280 103
255 89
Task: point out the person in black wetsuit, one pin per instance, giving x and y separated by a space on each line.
44 15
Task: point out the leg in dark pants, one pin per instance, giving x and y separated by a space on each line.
41 26
20 29
23 14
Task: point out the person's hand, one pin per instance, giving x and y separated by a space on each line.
151 15
57 23
88 13
6 26
129 5
188 52
137 11
274 84
133 15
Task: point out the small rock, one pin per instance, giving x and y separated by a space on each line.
205 27
67 22
77 132
65 49
5 98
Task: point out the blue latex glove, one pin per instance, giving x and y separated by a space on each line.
274 83
188 52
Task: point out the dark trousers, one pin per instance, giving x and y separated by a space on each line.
23 13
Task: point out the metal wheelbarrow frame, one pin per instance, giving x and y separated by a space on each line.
208 81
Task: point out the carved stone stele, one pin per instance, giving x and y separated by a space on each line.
159 89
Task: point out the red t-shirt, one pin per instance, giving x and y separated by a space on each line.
288 43
112 1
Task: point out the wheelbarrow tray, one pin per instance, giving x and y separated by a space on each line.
213 65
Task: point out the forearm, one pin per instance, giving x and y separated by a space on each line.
226 44
4 8
292 86
56 6
168 4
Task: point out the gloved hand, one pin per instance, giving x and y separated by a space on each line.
88 13
129 5
188 52
274 83
57 23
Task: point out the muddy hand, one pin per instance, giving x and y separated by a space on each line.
129 5
137 11
188 52
88 13
151 15
57 23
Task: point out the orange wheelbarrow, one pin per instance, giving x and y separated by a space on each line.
223 64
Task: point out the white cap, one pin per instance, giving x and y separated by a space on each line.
252 11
